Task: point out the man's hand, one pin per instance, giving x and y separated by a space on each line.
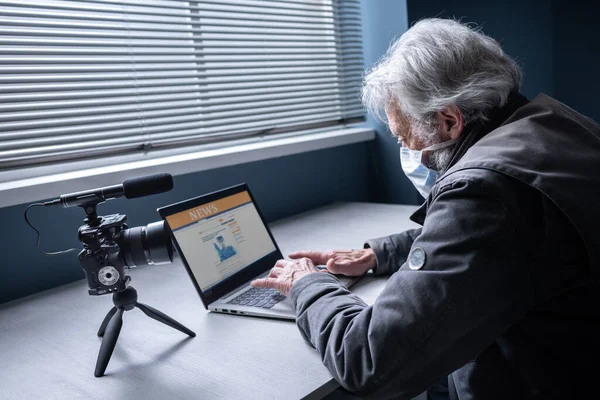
285 273
344 262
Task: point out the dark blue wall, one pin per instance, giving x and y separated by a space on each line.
577 55
282 187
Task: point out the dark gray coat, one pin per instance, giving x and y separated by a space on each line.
507 300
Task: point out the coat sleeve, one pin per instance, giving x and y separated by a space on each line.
391 251
426 323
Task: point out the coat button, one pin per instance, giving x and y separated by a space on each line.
416 258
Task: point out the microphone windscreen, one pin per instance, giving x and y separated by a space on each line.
147 185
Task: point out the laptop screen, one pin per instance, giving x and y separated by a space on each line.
221 238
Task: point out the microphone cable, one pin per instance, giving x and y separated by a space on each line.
54 253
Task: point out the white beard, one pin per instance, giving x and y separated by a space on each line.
440 159
428 134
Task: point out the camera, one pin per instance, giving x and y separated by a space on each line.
110 247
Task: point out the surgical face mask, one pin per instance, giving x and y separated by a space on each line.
422 177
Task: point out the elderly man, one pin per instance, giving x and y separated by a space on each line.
498 292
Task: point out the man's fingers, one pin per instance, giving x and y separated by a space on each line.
275 272
269 283
277 268
317 257
332 266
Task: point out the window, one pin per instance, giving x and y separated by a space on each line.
88 79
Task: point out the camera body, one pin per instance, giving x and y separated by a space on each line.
101 258
110 247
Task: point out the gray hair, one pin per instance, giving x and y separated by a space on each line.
439 63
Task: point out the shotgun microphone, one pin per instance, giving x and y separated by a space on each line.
130 188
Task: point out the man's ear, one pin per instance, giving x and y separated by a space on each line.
451 122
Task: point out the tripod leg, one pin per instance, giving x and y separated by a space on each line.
106 321
108 342
165 319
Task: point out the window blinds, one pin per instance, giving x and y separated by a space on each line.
81 79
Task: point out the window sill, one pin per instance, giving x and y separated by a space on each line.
27 185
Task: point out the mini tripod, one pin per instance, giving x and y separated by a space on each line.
126 300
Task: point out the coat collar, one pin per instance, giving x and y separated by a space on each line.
477 130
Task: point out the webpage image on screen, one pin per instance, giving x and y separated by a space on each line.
221 238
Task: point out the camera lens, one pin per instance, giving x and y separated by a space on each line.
147 245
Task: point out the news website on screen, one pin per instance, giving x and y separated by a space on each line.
221 238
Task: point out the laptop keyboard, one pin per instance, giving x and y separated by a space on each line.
258 297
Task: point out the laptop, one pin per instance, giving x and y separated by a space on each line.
224 244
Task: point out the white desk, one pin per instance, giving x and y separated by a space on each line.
48 342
